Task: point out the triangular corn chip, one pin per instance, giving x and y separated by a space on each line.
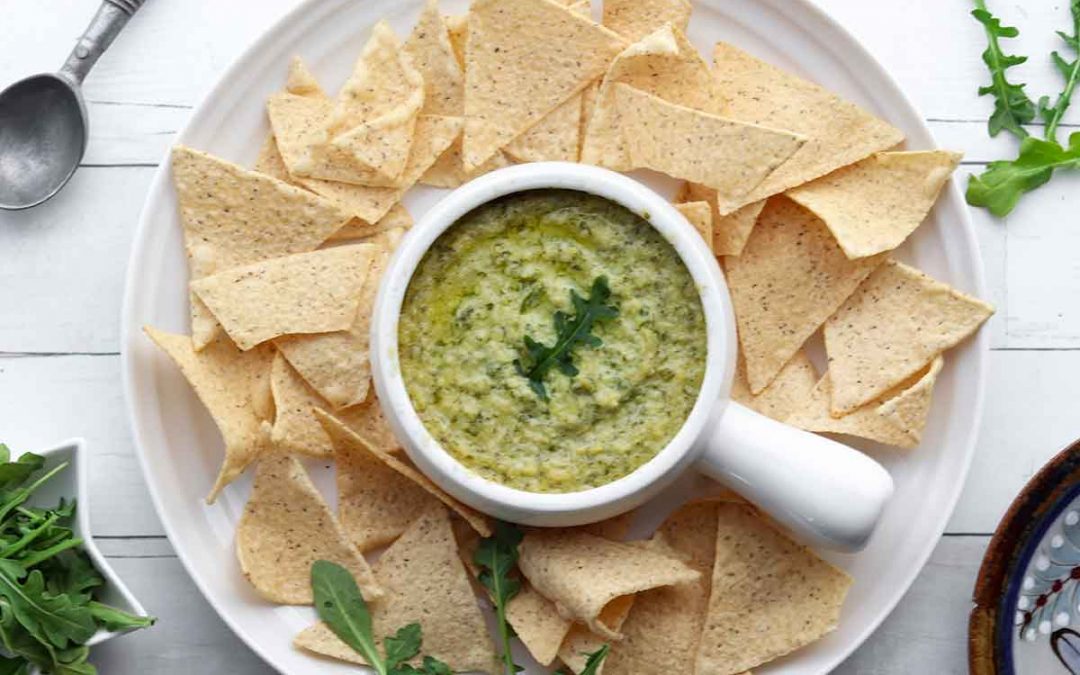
897 418
786 395
340 433
394 224
840 132
296 428
425 583
301 81
433 55
537 623
555 138
789 279
583 573
232 216
634 19
769 595
523 59
730 157
457 29
873 205
894 325
580 642
285 528
312 292
448 171
228 382
338 364
699 214
665 623
270 162
730 232
687 80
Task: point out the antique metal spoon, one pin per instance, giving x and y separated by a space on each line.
43 127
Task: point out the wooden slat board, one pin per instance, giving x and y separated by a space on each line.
63 272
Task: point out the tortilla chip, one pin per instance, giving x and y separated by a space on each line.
580 642
614 528
457 29
786 395
375 113
448 171
285 528
341 434
523 59
313 292
789 279
301 81
232 216
769 595
397 220
634 19
226 380
730 232
897 418
425 583
873 205
840 132
582 573
664 64
699 214
728 156
338 364
555 138
665 624
897 321
434 135
433 55
537 623
581 7
269 162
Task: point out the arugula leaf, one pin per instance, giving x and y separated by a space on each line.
497 558
404 645
1000 187
593 662
570 331
431 666
339 603
15 473
113 619
1053 115
14 666
1012 107
54 617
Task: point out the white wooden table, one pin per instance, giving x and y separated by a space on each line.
62 269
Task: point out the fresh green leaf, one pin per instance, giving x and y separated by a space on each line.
16 497
16 473
338 603
55 617
1000 187
113 619
431 666
497 557
570 331
404 645
593 662
1012 107
1053 114
14 666
71 572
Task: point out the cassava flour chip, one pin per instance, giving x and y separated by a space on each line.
790 278
524 58
555 138
302 293
786 395
583 573
769 595
892 327
285 528
228 382
730 232
840 132
634 19
433 55
873 205
699 214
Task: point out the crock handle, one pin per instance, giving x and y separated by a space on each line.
827 494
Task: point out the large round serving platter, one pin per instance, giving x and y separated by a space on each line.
180 448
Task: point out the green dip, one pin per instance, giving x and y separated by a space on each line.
499 274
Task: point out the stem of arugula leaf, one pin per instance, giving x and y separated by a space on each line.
997 73
1070 87
22 494
27 538
42 556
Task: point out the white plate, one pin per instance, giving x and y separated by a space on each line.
180 449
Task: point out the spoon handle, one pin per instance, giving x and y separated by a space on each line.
111 17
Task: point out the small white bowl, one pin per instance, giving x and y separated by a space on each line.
828 494
73 483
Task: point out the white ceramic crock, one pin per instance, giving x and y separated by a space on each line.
826 493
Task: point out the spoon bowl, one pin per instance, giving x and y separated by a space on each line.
43 134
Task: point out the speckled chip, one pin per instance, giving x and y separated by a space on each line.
789 279
873 205
583 574
555 138
634 19
727 156
524 58
730 232
891 328
433 56
769 595
786 395
839 132
699 214
286 526
314 292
